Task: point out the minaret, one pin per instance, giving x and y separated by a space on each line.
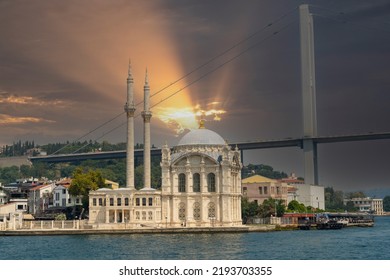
130 109
147 115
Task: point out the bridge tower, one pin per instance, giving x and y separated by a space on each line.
308 95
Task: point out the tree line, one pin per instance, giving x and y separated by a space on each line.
20 148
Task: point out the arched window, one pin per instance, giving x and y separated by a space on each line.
182 182
126 201
196 182
196 213
182 211
211 182
211 210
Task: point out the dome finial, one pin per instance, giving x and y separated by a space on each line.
201 124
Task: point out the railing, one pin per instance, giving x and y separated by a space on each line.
43 225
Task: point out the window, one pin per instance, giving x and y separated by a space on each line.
211 210
137 217
150 201
182 182
277 190
182 211
260 190
150 215
111 201
211 182
63 191
137 203
118 201
196 182
265 190
126 201
57 196
100 202
20 207
94 202
70 201
144 215
77 200
244 190
144 201
196 213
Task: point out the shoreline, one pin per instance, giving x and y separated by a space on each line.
183 230
40 232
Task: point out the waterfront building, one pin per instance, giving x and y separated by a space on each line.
62 198
259 188
367 205
40 198
201 181
12 208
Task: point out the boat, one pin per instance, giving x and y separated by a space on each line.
324 222
329 224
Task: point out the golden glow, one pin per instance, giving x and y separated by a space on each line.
28 100
180 119
7 119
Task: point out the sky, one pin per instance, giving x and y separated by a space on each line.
63 71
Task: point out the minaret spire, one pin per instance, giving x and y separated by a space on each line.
147 115
130 109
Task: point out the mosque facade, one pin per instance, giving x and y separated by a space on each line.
201 182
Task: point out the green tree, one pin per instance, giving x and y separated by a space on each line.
25 171
386 203
270 207
280 208
9 174
83 182
334 200
295 206
350 207
355 195
248 209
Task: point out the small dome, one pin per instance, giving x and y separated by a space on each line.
201 136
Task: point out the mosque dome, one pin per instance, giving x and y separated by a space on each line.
201 136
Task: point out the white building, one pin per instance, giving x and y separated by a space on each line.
309 195
62 198
201 182
367 205
40 198
13 208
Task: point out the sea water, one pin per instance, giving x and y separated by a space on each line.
364 243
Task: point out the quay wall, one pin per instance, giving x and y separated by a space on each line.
124 231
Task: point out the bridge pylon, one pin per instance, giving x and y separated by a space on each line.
308 95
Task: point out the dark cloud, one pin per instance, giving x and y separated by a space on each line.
68 59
